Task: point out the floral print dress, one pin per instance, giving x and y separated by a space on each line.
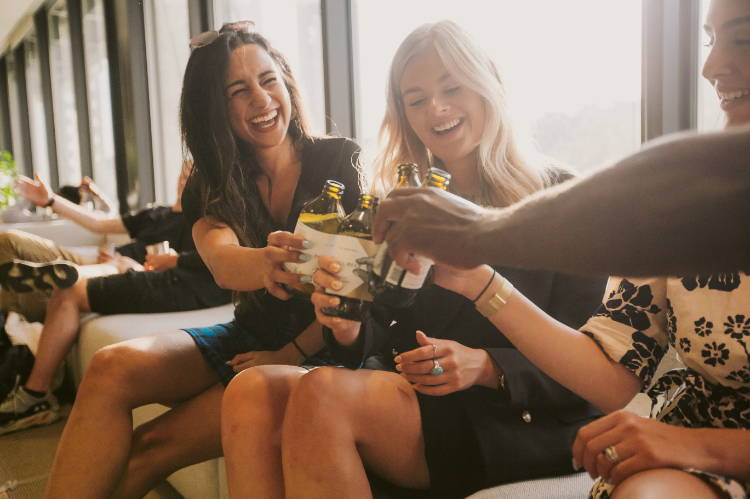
706 319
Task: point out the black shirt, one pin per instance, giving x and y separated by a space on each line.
153 225
275 322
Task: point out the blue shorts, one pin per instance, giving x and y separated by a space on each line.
222 342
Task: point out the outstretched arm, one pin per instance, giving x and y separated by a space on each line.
36 191
676 207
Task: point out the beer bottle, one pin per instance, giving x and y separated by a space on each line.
391 285
323 213
357 224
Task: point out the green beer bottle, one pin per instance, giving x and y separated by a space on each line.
357 224
391 285
323 213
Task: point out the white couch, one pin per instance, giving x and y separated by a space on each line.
207 480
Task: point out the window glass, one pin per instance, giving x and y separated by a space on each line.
35 103
572 69
167 39
15 115
294 28
710 116
99 97
63 96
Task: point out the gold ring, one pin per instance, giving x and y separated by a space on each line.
611 454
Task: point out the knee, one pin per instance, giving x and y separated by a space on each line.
255 398
9 241
110 372
147 439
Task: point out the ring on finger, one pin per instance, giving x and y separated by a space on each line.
437 369
610 453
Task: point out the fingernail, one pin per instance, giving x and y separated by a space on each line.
337 284
398 367
307 244
397 359
575 464
229 362
304 257
305 278
335 267
336 319
334 302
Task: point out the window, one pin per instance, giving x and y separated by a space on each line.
294 28
710 116
17 132
63 96
573 84
99 97
35 102
167 39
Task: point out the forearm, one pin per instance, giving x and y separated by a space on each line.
722 451
91 221
638 218
310 341
235 267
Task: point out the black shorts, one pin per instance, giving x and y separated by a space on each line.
141 292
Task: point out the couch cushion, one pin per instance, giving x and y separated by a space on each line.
564 487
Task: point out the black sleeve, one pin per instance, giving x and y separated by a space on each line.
136 222
573 299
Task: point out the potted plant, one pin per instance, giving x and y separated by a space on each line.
8 174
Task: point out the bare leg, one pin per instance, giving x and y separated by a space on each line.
342 420
60 331
251 417
664 484
185 435
166 368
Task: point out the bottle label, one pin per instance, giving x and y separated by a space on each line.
395 274
320 244
356 256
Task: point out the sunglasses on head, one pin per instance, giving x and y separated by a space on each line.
209 37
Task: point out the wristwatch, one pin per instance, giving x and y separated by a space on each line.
50 201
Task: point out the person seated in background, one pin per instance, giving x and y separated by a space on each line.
137 283
459 408
86 194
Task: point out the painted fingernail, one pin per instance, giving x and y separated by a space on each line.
307 244
337 284
335 267
304 257
334 302
398 367
305 278
397 359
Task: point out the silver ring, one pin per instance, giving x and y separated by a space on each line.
437 370
611 454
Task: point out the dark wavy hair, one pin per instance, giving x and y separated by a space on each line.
225 168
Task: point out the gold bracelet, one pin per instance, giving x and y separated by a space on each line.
495 298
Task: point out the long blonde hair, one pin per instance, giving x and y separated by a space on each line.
505 176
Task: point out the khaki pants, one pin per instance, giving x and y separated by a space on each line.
16 244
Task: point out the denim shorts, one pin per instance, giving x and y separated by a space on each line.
222 342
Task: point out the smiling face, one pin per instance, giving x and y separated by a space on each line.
446 116
257 98
728 64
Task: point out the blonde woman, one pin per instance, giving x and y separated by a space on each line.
487 415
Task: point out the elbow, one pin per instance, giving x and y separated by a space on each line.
223 278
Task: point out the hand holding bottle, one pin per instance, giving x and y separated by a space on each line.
283 247
432 223
345 331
